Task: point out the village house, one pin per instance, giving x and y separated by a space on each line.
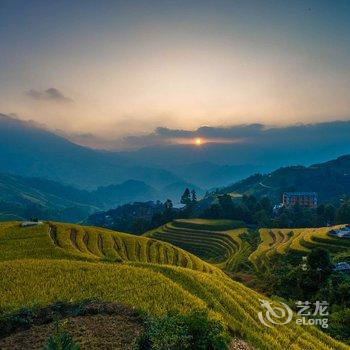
342 267
343 232
31 223
304 199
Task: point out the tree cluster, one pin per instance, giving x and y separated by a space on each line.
260 212
313 279
249 209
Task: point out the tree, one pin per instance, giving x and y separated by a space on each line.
194 196
140 225
320 266
226 204
284 219
265 203
343 213
168 214
329 214
250 202
186 197
168 204
213 212
261 218
319 259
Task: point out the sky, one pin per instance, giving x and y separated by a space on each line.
103 72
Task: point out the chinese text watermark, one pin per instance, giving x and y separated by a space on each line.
308 314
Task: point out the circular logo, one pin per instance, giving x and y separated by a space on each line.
274 315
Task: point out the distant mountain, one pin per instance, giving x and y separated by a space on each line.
128 191
331 181
176 189
209 175
29 150
23 198
132 217
250 148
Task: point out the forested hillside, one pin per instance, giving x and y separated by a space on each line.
24 198
331 181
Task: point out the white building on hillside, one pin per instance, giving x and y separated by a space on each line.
343 232
31 223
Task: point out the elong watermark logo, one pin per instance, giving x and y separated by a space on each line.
308 314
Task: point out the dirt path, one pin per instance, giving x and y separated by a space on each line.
91 332
100 244
73 238
53 235
238 344
117 328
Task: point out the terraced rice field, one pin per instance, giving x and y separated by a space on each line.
58 262
319 237
207 224
212 241
76 242
271 241
279 241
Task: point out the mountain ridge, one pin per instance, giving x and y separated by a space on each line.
331 181
41 153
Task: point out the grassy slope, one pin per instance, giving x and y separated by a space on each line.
154 288
68 241
215 241
34 270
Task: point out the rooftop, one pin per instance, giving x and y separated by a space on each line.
341 266
301 193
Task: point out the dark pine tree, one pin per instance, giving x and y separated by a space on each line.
193 196
168 204
186 197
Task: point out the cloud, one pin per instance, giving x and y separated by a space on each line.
248 134
163 136
254 144
51 94
239 144
91 140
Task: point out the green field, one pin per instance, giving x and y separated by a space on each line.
40 265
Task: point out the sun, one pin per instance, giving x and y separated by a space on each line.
198 141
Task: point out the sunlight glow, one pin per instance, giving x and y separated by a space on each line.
198 141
